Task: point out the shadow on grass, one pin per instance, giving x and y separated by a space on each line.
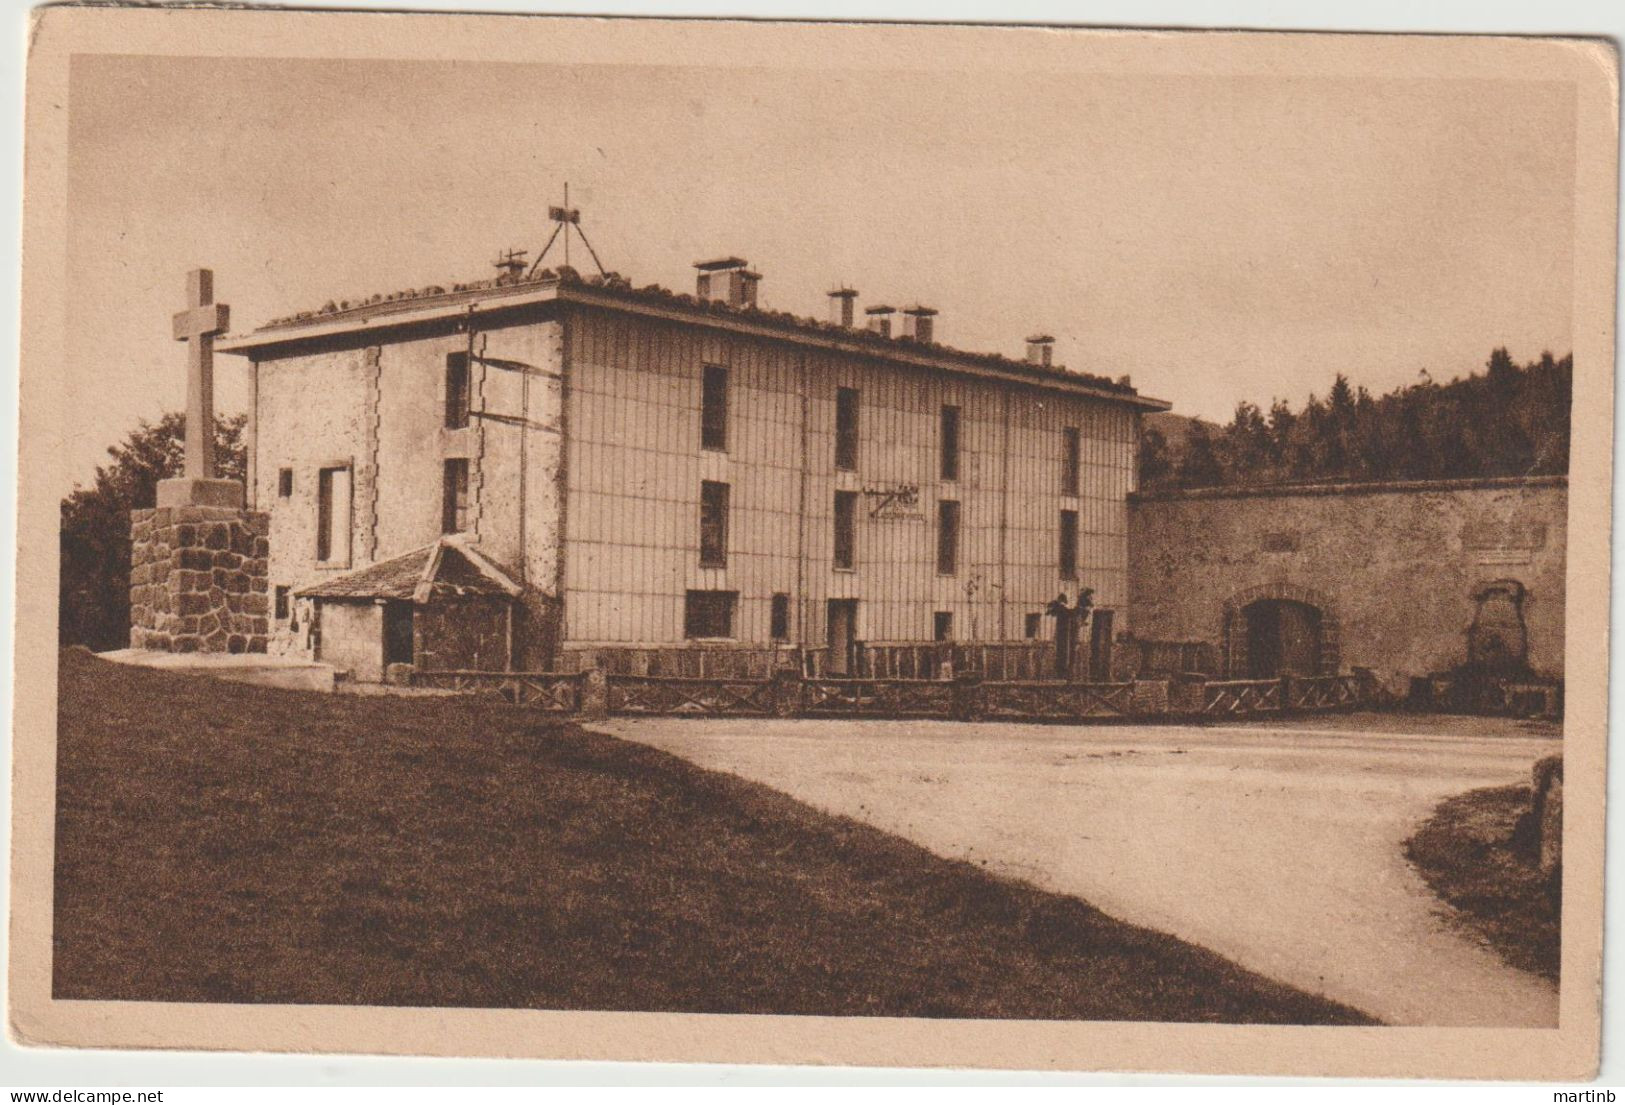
220 842
1468 854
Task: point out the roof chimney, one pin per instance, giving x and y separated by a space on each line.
842 302
1041 350
727 280
880 319
918 322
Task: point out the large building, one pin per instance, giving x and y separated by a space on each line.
504 474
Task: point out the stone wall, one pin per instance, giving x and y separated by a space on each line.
382 415
197 579
1396 571
468 634
352 638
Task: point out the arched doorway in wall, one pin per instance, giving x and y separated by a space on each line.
1283 638
1278 629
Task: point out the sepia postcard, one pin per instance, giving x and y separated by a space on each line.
814 543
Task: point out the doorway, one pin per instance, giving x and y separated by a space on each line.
842 636
398 647
1100 647
1283 638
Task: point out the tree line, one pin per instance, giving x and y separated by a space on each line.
1509 420
94 598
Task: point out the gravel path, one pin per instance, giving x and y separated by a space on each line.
1277 847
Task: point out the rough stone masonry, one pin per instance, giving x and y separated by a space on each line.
197 560
197 579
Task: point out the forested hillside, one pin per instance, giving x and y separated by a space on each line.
1506 421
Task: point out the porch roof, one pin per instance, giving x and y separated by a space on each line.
450 567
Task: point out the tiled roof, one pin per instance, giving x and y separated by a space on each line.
449 567
619 287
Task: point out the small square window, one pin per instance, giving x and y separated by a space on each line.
709 613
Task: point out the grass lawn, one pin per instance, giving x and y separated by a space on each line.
220 842
1465 852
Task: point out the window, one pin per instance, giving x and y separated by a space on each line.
281 603
333 515
1034 623
709 613
779 620
284 482
846 428
1069 544
950 443
713 525
947 537
1069 461
846 529
942 625
454 496
714 409
456 390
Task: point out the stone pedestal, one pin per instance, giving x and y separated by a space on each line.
187 491
197 576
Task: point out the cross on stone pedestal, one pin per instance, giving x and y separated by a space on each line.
197 326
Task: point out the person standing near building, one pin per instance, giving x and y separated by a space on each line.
1069 622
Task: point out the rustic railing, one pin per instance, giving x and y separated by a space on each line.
788 693
1003 661
681 696
1164 658
1323 692
553 692
876 698
686 663
1235 697
1046 701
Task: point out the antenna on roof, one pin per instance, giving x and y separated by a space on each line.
568 218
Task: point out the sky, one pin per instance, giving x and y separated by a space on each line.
1215 238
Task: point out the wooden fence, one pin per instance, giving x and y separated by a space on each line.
552 692
876 698
679 696
1049 701
791 694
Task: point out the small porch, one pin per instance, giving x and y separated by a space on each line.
442 607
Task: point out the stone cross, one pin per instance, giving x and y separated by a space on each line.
198 324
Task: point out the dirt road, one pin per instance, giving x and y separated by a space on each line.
1277 847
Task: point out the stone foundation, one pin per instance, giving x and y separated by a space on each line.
197 579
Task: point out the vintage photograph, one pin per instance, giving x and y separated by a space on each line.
903 524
